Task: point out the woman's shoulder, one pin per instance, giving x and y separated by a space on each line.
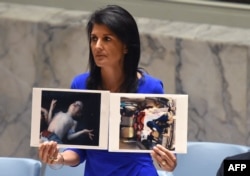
79 81
150 78
150 84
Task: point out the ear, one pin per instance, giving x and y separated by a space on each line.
125 49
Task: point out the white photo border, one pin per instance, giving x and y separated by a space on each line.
36 115
180 123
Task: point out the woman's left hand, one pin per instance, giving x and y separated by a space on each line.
165 158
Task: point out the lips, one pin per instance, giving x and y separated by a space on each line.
100 56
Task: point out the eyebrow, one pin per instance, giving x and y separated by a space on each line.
103 34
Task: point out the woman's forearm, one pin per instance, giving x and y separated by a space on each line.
70 158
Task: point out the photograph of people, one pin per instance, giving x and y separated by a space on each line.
62 124
70 118
114 55
147 122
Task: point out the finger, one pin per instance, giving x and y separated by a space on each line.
164 157
163 152
47 151
164 164
43 149
52 152
91 136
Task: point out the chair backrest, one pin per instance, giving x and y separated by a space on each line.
164 173
65 170
11 166
204 158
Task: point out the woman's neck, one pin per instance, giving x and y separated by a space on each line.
112 80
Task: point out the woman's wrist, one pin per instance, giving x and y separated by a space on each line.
60 159
58 162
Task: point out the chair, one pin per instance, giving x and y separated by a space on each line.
11 166
204 158
164 173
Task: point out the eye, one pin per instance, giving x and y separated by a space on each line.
93 38
106 38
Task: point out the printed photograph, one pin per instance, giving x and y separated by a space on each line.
70 117
146 121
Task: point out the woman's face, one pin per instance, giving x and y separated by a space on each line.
107 48
75 108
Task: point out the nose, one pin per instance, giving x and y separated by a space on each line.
98 44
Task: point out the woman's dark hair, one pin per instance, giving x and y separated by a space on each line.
122 23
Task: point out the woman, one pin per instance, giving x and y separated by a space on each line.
113 65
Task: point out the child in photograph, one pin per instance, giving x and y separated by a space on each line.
63 125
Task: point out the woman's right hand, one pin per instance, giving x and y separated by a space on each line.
48 152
